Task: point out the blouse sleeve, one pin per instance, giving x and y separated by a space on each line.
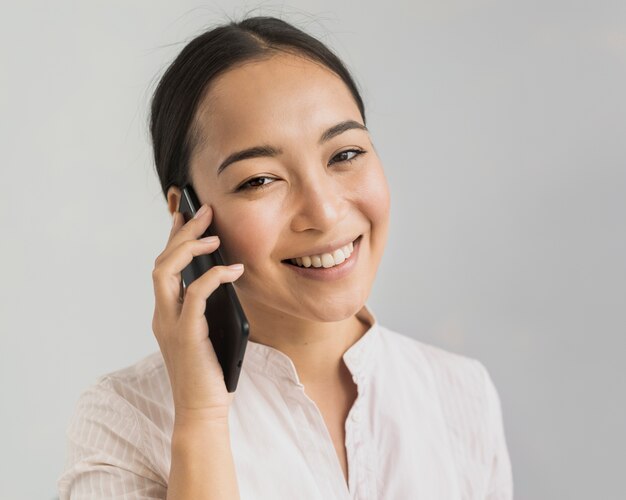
106 456
500 483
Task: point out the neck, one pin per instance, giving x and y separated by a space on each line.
315 348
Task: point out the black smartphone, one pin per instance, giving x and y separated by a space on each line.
228 325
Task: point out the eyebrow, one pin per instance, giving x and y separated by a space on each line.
270 151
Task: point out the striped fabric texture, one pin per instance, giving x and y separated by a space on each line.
427 424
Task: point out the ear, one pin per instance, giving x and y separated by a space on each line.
173 199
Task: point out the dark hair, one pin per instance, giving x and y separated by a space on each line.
175 135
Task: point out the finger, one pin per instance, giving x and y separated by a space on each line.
176 217
194 227
167 273
183 231
196 295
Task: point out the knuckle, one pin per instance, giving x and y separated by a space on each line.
192 290
156 274
156 327
190 245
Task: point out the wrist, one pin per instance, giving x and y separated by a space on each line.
192 434
201 416
195 422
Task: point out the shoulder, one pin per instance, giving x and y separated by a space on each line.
462 384
144 369
127 391
447 367
122 411
144 380
129 394
461 387
135 397
117 424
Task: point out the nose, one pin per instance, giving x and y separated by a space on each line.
320 202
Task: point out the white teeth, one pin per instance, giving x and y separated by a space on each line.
338 256
325 259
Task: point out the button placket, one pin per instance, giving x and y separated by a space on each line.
354 428
322 452
368 475
352 449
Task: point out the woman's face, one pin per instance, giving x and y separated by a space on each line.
309 197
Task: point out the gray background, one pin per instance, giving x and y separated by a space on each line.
501 127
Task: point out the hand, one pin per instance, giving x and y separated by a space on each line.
180 326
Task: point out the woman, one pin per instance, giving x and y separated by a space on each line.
269 128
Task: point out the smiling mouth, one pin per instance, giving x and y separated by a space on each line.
324 260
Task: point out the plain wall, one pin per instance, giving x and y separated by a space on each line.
501 126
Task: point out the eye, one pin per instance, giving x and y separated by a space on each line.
344 156
254 184
258 183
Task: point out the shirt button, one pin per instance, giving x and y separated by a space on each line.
356 417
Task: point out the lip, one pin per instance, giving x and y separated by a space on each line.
330 273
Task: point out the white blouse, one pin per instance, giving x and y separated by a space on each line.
426 424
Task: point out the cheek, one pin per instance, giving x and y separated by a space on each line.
375 198
246 233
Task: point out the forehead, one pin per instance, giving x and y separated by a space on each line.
284 96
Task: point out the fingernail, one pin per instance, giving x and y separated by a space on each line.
203 209
236 267
209 239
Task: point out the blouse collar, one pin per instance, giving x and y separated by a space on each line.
275 364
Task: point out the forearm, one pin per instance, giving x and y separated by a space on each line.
202 463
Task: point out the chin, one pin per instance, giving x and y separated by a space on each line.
331 310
